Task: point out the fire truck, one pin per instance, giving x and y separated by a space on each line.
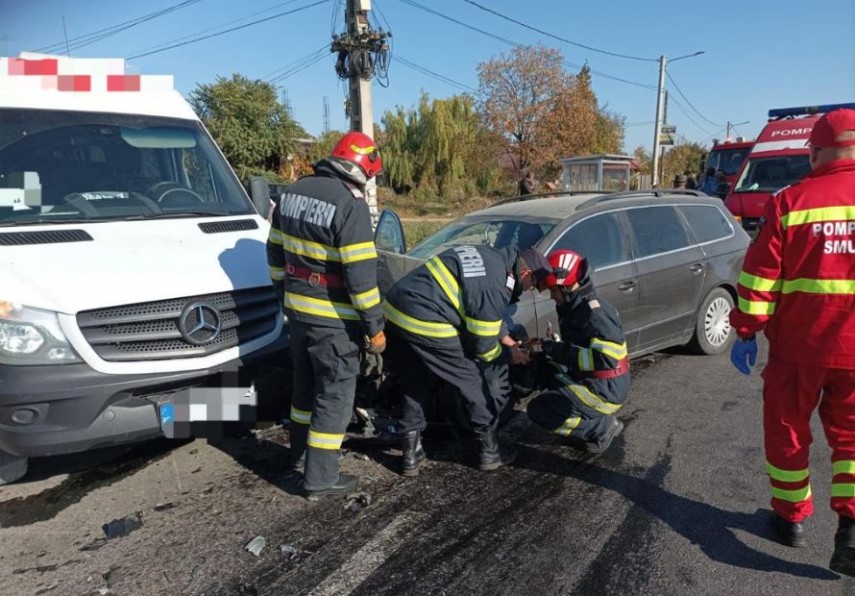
778 158
728 156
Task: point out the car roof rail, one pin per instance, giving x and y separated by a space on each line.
628 194
542 195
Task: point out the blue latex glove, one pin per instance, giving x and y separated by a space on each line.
743 355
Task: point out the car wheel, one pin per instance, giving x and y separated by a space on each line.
12 468
713 334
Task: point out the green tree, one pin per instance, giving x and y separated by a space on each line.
247 121
682 158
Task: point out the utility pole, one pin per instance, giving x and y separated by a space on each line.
659 95
326 114
657 131
358 50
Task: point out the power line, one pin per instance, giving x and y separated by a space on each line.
301 65
274 74
434 75
553 36
270 18
221 25
689 116
677 87
507 41
80 41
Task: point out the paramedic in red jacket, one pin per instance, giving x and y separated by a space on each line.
798 284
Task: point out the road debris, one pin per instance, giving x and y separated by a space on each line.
123 526
357 501
164 506
256 545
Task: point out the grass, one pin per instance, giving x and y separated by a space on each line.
416 230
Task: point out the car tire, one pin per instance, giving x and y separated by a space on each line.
12 468
713 333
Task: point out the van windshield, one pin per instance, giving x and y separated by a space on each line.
771 174
727 160
63 166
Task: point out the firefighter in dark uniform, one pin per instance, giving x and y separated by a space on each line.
444 320
588 369
324 266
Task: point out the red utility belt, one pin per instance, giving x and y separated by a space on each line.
621 368
315 278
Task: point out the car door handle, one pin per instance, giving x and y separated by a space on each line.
696 267
627 286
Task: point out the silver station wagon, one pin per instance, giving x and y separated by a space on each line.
667 260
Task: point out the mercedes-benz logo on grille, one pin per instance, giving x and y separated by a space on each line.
200 323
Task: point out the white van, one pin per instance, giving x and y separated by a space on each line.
134 291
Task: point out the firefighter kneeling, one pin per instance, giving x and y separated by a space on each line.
587 372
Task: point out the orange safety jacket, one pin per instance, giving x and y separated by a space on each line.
798 278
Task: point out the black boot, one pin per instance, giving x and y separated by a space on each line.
788 533
492 454
843 559
413 454
345 484
602 444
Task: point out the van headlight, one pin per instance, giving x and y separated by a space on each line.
31 336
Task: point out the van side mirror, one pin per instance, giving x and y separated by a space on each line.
259 191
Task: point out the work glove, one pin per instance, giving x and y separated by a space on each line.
376 344
743 354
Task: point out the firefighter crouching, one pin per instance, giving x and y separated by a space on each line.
324 266
587 370
798 284
444 320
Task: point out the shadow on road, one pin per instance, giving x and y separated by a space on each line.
708 526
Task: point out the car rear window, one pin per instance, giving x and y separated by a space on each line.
600 239
657 230
707 223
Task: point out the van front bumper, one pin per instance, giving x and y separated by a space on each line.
52 410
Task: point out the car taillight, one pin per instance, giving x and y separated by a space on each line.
738 218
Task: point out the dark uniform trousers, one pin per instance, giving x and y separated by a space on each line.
326 364
484 387
576 409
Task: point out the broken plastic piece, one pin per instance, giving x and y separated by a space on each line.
256 545
123 526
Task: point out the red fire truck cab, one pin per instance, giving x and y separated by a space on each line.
778 158
728 156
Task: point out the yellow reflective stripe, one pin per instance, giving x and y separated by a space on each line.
756 307
609 348
819 286
786 475
275 236
568 426
586 359
843 466
324 440
320 308
761 284
586 397
483 328
491 355
300 416
805 216
843 490
357 252
795 495
446 281
276 273
307 248
413 325
366 300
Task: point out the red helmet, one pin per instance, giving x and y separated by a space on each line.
360 149
568 267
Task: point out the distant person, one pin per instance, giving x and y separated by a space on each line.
526 186
722 185
798 284
680 182
708 182
691 182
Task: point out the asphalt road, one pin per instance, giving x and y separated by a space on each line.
678 505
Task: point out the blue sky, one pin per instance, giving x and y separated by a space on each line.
759 54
